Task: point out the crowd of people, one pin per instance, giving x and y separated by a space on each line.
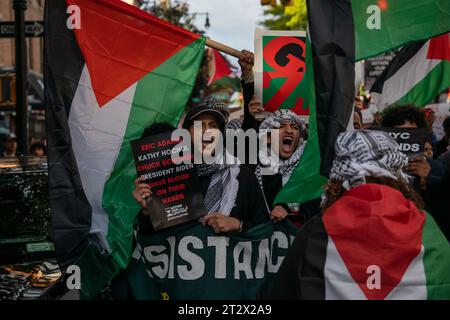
9 146
367 161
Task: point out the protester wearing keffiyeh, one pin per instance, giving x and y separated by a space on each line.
366 153
285 167
362 153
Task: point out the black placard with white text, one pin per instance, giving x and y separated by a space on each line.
411 141
176 194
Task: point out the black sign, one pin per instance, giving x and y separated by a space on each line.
32 29
176 194
411 141
374 67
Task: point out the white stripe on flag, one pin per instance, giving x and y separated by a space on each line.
413 285
97 134
401 82
340 285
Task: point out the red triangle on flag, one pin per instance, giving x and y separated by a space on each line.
374 225
218 66
439 47
121 44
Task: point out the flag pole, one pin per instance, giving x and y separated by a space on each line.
223 48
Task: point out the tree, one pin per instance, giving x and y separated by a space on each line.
176 12
293 17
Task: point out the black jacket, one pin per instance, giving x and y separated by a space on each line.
272 184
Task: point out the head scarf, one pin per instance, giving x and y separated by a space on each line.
285 166
363 153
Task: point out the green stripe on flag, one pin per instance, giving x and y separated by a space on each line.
435 82
160 96
401 22
436 261
306 182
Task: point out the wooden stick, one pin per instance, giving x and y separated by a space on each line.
223 48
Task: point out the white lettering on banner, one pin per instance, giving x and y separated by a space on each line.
220 244
197 264
159 271
292 239
171 241
162 259
282 243
245 264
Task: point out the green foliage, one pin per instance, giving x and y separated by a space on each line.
176 12
286 18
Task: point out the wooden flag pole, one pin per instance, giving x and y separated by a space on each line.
223 48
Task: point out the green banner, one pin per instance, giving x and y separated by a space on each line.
193 262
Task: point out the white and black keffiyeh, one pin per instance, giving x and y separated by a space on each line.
287 166
362 153
216 104
223 187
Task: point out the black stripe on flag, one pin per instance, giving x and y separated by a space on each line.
402 57
63 64
301 276
332 38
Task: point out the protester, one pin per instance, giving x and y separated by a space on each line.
293 128
428 149
442 145
438 202
231 192
429 119
373 217
291 146
408 116
38 149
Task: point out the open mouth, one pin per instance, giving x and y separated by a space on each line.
287 144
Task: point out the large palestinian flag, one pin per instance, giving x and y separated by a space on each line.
418 73
105 82
370 244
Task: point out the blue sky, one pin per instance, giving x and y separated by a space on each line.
233 22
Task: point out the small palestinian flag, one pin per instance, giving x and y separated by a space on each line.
384 25
418 73
218 66
114 72
370 244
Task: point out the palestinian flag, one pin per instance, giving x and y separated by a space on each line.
329 75
418 73
342 32
218 66
370 244
105 82
383 25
